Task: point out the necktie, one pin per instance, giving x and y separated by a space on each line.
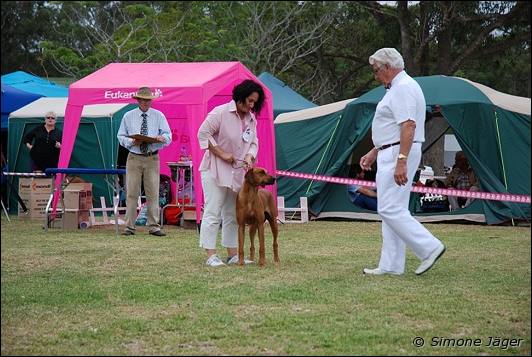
144 131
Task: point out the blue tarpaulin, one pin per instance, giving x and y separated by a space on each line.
33 84
20 88
13 99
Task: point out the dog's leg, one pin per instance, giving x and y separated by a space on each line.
241 233
275 231
252 231
262 250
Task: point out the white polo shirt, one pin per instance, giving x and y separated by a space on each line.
403 101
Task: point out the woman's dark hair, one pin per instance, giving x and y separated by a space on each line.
245 89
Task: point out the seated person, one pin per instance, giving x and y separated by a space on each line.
433 202
461 177
364 197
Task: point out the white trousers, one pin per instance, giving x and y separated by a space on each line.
399 228
220 206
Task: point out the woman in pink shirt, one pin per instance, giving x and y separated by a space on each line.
229 136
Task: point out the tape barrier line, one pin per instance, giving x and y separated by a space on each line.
419 189
25 174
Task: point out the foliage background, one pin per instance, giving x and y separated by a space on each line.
318 48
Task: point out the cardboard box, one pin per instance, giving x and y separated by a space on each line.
79 186
72 219
78 196
36 207
189 215
34 185
77 199
35 193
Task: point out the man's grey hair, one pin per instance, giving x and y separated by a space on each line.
387 56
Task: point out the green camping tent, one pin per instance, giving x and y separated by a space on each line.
492 128
96 144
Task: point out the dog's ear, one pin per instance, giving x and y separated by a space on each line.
249 177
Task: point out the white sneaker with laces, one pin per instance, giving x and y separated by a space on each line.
234 260
429 262
214 261
377 271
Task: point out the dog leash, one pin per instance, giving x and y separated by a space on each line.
238 166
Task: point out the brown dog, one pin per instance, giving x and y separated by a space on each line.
254 206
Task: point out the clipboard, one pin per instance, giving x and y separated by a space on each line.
147 139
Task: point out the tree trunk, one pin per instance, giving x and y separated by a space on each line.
434 156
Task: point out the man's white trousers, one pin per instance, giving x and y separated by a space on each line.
399 228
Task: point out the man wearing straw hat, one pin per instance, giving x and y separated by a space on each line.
142 164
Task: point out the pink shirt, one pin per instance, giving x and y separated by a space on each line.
224 128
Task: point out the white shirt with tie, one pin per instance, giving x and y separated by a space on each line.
131 125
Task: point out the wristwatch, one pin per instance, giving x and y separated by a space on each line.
402 157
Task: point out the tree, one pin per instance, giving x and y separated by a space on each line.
95 34
24 25
444 37
319 48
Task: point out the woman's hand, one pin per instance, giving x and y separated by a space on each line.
249 160
58 144
227 157
29 146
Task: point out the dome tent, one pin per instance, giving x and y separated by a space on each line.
96 135
285 99
493 129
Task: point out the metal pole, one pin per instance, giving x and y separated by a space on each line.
502 158
5 211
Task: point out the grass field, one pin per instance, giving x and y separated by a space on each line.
90 293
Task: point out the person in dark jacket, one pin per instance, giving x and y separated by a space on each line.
44 143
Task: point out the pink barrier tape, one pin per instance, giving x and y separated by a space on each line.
419 189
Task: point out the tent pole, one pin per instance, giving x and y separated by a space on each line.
500 153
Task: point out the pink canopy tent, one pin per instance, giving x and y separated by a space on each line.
188 91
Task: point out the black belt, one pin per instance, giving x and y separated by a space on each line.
392 144
146 154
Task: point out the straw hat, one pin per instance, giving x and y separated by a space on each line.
144 93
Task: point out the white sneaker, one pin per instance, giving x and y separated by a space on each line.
429 262
377 271
214 261
234 260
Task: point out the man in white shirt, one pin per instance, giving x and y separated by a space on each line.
398 130
143 159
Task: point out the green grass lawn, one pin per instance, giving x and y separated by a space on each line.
88 292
